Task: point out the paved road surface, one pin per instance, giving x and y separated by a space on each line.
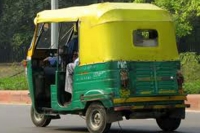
15 119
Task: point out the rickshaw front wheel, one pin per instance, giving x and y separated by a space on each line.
39 120
96 119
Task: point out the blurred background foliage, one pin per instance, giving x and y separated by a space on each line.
191 71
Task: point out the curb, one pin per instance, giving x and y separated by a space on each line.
194 101
21 97
14 97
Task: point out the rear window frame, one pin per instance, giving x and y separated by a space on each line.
145 38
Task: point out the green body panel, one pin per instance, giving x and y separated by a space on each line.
82 95
153 78
102 82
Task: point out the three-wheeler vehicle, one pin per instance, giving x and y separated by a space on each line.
128 66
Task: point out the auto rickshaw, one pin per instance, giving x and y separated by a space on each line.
128 66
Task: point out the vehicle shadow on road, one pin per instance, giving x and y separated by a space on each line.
73 129
84 130
138 131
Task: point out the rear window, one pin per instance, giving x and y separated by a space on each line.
145 38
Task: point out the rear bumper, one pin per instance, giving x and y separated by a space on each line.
149 99
122 108
159 102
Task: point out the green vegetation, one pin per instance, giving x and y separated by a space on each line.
14 83
12 77
191 71
192 87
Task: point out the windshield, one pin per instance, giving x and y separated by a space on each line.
66 31
44 36
43 40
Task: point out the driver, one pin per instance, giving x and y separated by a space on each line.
52 59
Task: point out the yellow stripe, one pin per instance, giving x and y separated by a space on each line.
33 43
148 99
159 106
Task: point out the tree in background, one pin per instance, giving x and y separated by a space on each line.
17 25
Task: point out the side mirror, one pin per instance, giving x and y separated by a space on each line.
24 63
46 27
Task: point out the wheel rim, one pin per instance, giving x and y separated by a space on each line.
96 119
38 117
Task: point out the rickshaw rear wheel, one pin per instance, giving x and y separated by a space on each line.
168 124
96 119
39 120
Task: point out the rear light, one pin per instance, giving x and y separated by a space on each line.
180 81
124 78
24 63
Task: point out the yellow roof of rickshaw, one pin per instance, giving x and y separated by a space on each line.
94 13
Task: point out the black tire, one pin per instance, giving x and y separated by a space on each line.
96 119
39 120
168 124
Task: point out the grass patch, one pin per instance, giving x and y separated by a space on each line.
192 87
12 77
18 82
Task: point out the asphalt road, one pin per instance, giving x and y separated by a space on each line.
16 119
